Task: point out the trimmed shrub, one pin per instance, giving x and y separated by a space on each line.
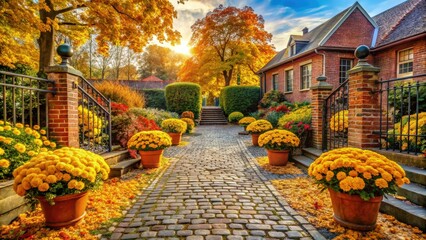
235 117
273 117
272 98
181 97
120 94
155 98
242 99
188 114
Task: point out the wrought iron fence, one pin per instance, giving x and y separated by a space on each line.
335 118
23 99
94 114
403 114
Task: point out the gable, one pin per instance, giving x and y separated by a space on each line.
356 29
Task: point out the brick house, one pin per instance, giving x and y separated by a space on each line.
396 37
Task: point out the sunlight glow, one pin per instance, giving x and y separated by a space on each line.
182 48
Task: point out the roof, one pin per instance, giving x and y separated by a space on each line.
394 24
151 78
314 38
401 21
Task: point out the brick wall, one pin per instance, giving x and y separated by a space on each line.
354 31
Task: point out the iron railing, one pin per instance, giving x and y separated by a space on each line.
403 114
335 118
23 99
94 112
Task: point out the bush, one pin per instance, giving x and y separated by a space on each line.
18 144
272 98
235 117
303 114
181 97
242 99
154 114
155 98
273 117
188 114
120 94
189 124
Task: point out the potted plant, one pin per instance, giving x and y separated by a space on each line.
245 121
174 127
278 143
256 128
357 180
190 125
150 145
59 180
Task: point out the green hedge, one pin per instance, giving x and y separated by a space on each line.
182 97
155 98
240 99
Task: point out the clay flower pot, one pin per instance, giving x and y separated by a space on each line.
255 139
151 159
67 211
353 212
278 157
175 138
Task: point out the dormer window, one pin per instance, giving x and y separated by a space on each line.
293 50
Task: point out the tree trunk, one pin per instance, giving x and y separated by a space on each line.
45 43
227 75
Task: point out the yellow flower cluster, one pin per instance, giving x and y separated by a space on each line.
339 121
71 168
409 128
189 124
259 126
303 114
91 124
173 125
355 171
188 114
149 140
246 121
278 140
18 144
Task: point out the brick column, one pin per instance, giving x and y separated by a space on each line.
364 107
320 92
63 106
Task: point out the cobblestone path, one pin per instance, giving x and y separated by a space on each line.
213 190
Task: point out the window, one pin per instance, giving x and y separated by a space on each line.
306 76
293 50
405 62
275 82
345 65
289 80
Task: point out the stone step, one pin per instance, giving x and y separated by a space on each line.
213 123
418 161
312 153
416 193
124 167
405 212
302 161
416 175
116 156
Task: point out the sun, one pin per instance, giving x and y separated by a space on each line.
182 48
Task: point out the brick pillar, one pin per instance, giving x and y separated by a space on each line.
364 107
63 106
320 92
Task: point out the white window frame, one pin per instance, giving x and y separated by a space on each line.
309 83
398 63
286 82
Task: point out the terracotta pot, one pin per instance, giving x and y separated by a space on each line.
151 159
175 138
352 212
67 211
278 157
255 139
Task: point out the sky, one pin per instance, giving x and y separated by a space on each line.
282 17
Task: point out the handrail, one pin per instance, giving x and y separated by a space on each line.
344 84
94 89
25 76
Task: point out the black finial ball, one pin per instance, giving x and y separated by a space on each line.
362 52
65 50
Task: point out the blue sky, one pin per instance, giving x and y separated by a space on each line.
282 17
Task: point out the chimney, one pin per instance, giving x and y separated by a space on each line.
305 30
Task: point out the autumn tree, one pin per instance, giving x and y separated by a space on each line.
131 23
228 41
161 62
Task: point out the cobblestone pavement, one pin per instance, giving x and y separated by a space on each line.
213 190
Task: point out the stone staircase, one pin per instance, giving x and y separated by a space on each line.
120 162
412 212
212 116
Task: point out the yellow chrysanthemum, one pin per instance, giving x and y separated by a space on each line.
340 176
4 163
381 183
43 187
